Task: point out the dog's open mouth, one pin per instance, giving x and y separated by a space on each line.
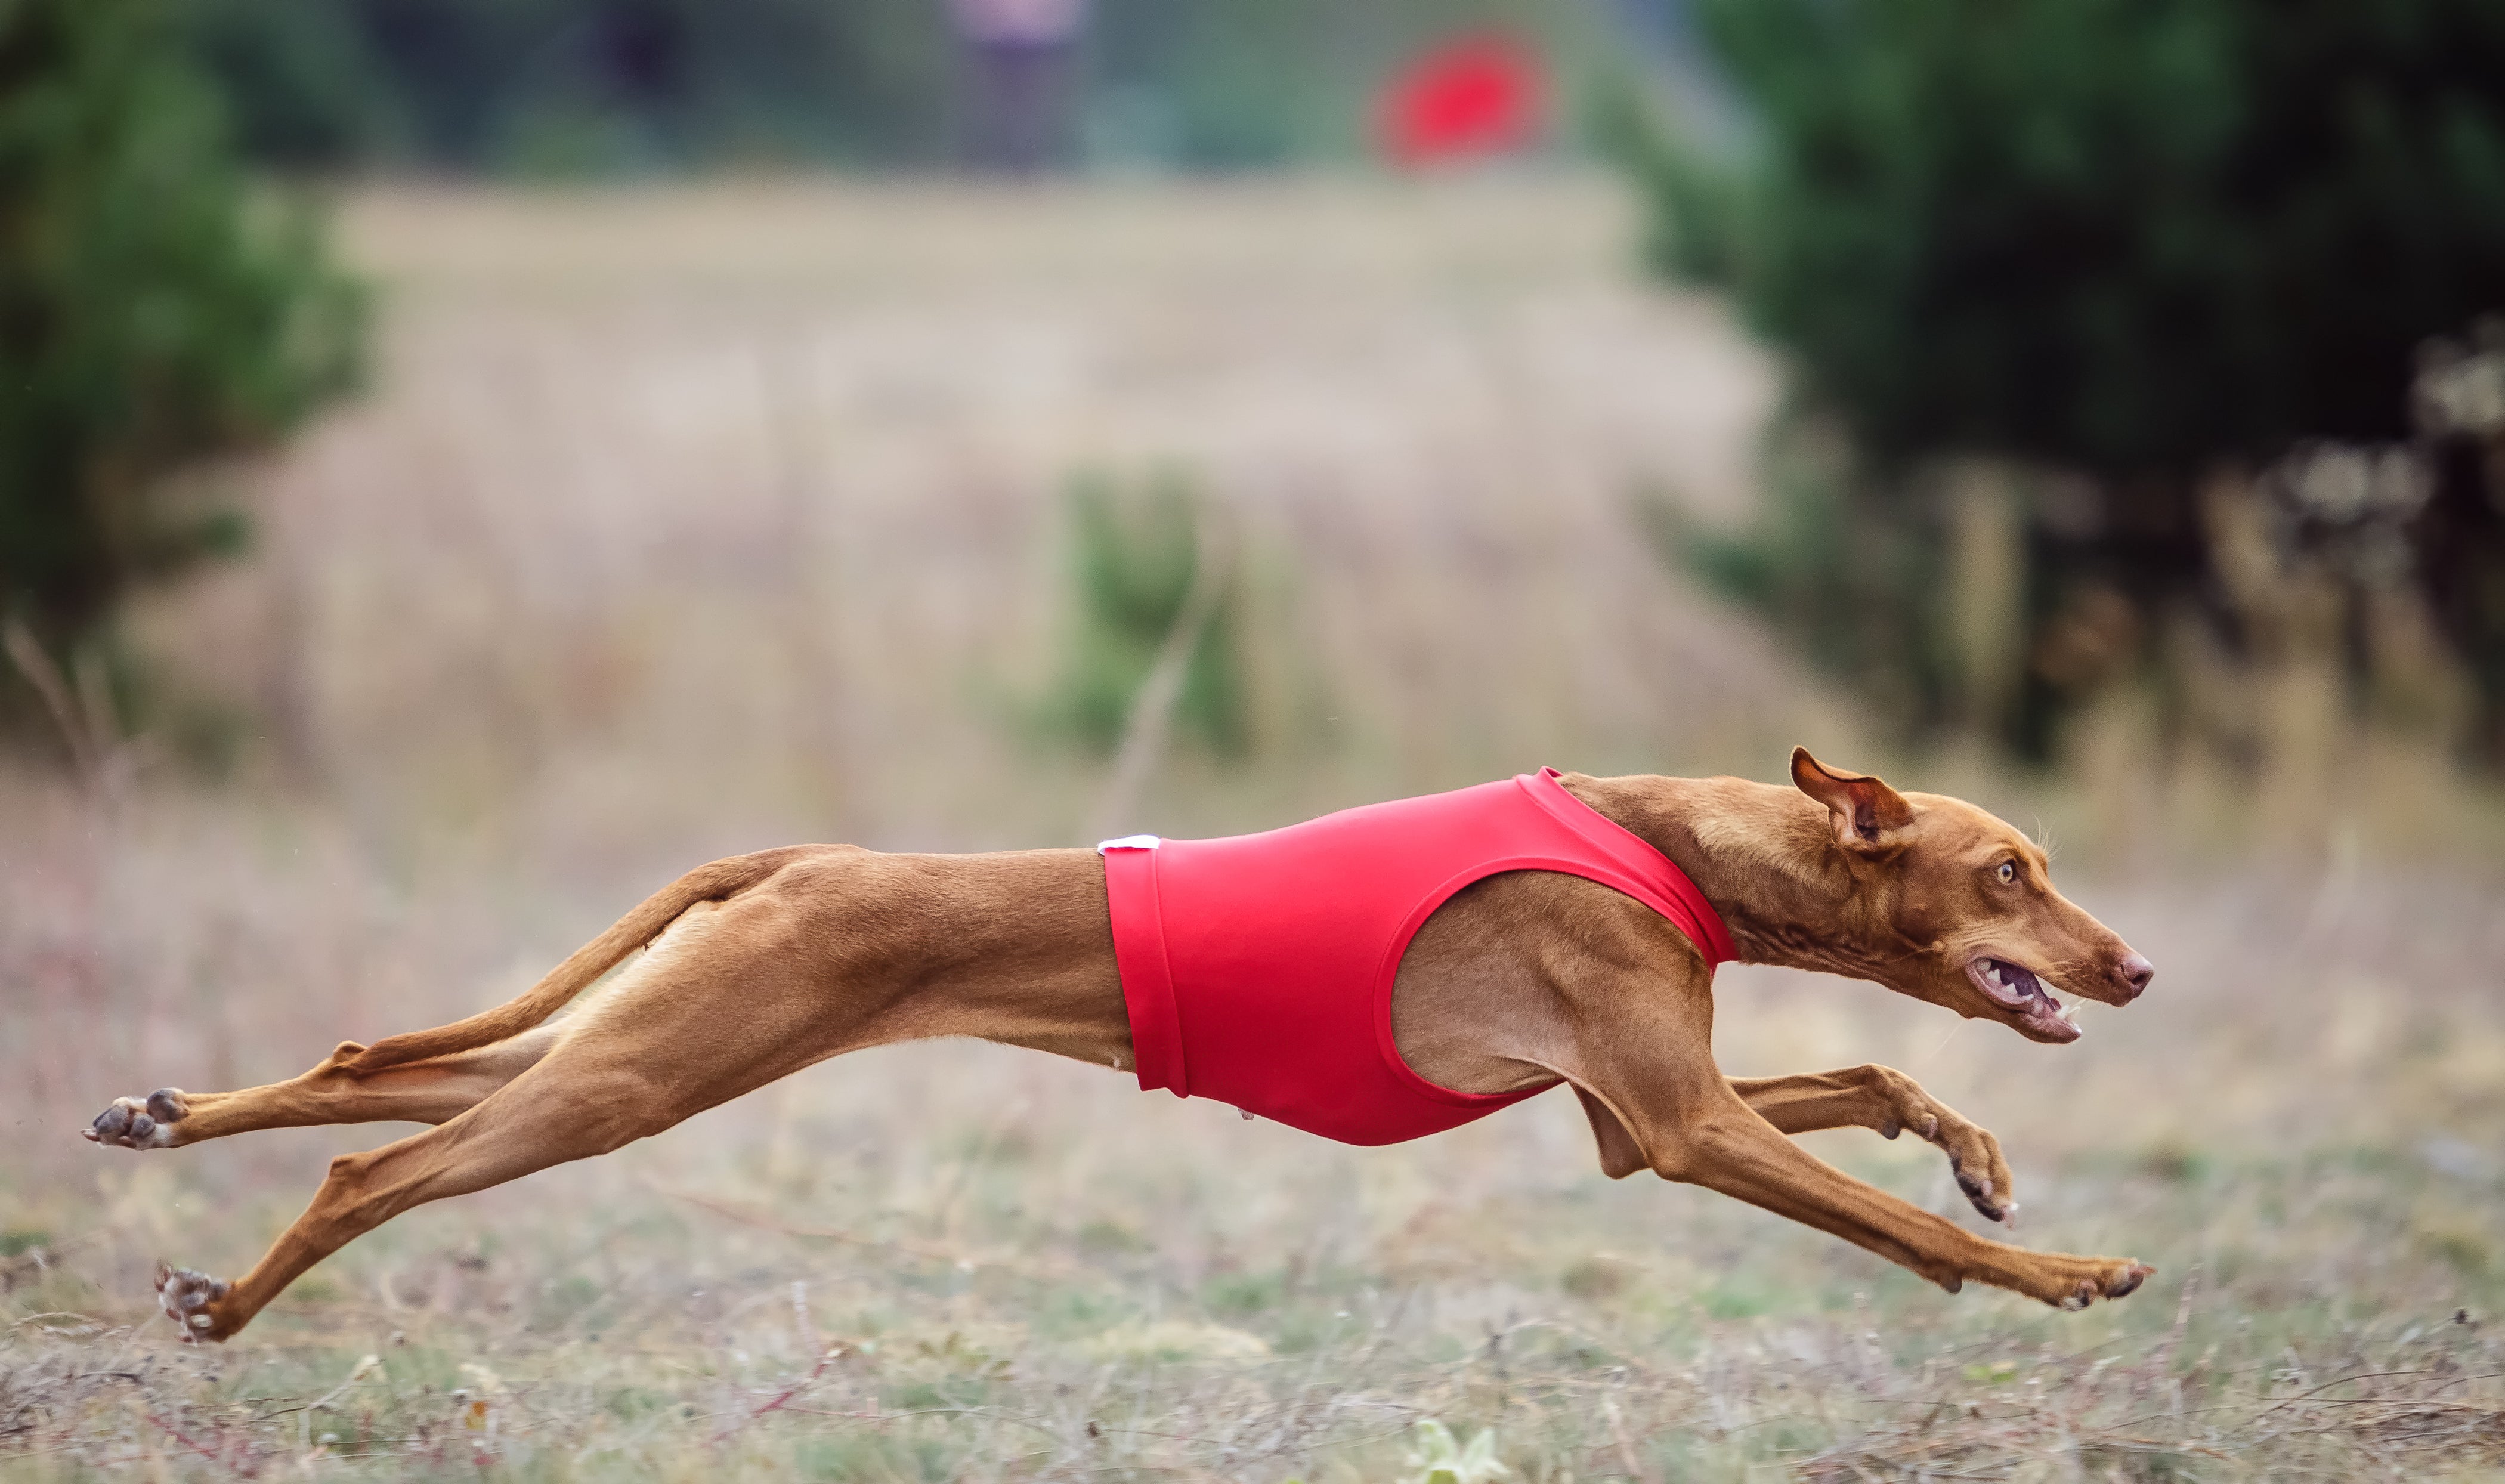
2017 989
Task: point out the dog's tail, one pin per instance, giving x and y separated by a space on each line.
716 882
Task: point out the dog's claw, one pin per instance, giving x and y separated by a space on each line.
185 1296
1980 1191
2108 1279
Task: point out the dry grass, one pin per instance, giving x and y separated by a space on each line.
703 513
569 605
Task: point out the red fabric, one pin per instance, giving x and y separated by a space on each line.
1257 969
1477 96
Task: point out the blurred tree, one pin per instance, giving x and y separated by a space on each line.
579 86
155 310
2154 243
594 86
299 78
1237 84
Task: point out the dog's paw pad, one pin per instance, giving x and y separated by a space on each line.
139 1123
186 1296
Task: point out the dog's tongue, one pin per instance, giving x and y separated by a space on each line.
2013 986
2033 999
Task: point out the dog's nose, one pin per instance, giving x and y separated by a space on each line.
2135 971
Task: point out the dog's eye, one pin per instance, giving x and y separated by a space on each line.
2009 873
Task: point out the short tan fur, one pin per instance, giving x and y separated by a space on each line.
756 967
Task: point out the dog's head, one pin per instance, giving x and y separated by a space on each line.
1968 906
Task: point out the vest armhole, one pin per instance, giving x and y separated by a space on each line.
1684 902
1387 976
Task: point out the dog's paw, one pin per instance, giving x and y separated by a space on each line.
190 1299
1974 1153
2106 1278
1982 1172
140 1123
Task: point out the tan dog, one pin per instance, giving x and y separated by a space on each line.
762 964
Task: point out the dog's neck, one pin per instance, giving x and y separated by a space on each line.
1763 855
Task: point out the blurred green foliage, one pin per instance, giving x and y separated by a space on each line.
1439 1459
1135 547
579 86
1231 84
588 87
2120 234
1831 573
2135 239
156 310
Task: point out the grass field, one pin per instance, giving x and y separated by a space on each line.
688 522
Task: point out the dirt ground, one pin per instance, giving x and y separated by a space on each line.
682 522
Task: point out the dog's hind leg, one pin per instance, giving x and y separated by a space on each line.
594 1092
430 1076
418 1093
722 1005
843 950
548 1116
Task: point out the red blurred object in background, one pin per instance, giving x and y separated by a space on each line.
1471 96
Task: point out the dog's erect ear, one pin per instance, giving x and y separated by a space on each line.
1864 808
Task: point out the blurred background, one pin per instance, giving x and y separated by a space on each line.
463 463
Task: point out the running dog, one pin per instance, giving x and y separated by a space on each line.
1371 976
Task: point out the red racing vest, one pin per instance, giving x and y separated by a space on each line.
1257 969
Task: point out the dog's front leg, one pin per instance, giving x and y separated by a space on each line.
1888 1101
1647 1062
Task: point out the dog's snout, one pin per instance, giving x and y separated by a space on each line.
2134 972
